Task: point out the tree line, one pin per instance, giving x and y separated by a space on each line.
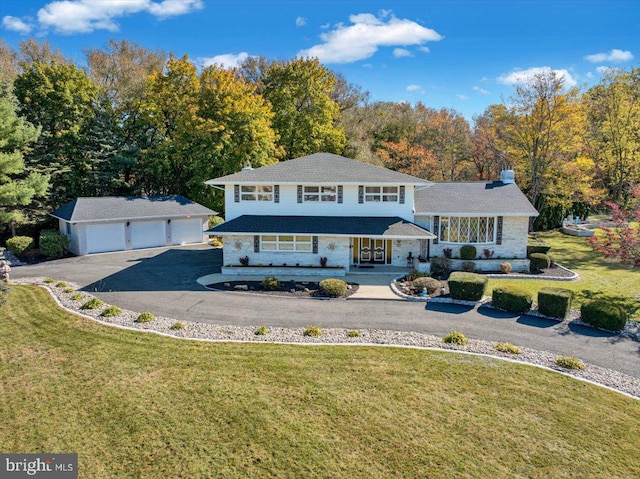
134 121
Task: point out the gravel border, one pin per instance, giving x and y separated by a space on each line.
610 379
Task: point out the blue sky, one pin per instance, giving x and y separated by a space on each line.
457 54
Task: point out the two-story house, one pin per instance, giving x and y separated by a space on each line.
301 211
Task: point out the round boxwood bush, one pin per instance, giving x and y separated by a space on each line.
431 284
111 311
270 283
469 266
505 267
53 244
468 252
467 286
20 244
511 298
539 261
333 287
603 314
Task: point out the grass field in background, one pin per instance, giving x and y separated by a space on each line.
599 277
140 405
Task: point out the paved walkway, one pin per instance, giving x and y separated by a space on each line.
164 281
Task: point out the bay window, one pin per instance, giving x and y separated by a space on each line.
461 229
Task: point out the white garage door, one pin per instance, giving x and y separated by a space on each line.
186 231
105 237
147 234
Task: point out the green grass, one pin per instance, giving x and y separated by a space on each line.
141 405
599 277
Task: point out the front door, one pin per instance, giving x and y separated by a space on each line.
373 250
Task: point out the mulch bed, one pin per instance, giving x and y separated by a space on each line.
297 289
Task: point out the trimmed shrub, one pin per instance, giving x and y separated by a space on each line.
177 326
505 267
53 244
468 266
354 333
261 331
20 244
61 284
77 297
539 261
603 314
468 251
111 311
68 290
145 317
536 245
467 286
270 283
431 284
511 298
507 348
554 302
48 280
440 267
569 362
93 303
333 287
313 331
415 274
455 337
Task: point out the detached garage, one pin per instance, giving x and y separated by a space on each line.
98 225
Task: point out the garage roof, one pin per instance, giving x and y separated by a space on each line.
111 208
386 226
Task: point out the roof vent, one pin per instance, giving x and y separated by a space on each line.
508 177
247 167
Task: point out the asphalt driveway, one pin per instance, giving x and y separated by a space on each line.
163 281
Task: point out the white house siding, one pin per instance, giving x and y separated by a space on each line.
401 249
70 231
289 205
335 249
514 239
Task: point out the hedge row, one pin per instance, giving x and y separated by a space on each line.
467 286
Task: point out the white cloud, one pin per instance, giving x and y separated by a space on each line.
227 60
589 75
325 26
614 56
525 76
482 91
85 16
16 24
415 88
362 39
424 49
401 52
301 22
462 97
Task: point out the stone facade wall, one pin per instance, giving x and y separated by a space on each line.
335 249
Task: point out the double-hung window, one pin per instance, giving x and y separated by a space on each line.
256 192
462 229
385 194
320 193
297 243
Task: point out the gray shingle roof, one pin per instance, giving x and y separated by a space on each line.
473 197
319 168
107 208
393 226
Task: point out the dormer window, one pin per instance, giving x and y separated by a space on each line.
320 193
256 193
385 194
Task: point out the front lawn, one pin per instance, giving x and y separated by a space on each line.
140 405
599 277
